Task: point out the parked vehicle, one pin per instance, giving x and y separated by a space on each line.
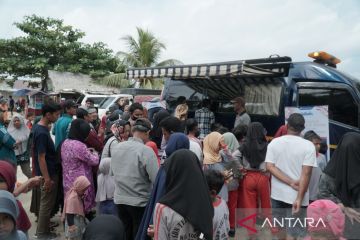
141 95
96 98
268 86
109 101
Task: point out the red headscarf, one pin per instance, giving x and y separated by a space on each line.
8 174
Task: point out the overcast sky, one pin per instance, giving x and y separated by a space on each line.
199 31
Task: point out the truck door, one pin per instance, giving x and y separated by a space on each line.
342 101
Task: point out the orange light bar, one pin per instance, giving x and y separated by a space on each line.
325 57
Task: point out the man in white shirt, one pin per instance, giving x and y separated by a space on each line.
290 160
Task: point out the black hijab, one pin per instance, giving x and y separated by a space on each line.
186 191
156 132
255 145
344 166
79 130
105 227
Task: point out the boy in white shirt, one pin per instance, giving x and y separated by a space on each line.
221 225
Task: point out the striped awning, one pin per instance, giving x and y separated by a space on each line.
236 68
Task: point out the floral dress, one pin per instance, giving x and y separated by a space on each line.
78 160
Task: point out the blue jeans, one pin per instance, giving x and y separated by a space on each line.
282 210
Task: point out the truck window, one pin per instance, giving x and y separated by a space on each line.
342 107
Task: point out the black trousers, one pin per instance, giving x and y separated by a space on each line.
131 217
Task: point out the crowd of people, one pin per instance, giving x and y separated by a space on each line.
140 173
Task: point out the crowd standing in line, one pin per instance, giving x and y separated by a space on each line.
144 173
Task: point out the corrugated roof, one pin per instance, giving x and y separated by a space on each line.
20 84
4 87
59 81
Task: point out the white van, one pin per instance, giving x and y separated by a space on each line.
96 98
108 101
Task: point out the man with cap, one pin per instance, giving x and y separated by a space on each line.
61 127
241 115
134 167
290 160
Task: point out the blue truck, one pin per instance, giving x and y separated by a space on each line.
268 86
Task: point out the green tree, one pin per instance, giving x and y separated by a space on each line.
49 44
143 51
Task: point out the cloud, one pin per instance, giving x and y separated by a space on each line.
197 31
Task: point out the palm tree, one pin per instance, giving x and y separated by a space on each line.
144 51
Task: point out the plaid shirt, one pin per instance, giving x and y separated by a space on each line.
205 118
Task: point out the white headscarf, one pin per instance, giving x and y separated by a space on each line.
21 134
106 183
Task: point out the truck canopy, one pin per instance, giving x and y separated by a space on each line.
278 66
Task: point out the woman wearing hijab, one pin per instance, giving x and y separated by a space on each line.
121 132
7 183
232 145
156 132
213 144
106 189
255 185
20 132
340 182
105 227
185 211
78 160
177 141
181 113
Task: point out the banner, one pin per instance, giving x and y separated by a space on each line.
316 119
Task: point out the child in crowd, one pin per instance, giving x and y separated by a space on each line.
215 180
9 212
73 213
328 221
316 171
317 141
30 117
106 189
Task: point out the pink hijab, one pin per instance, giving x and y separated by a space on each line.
330 213
73 203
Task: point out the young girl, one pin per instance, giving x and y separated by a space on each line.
73 213
106 189
332 219
9 212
